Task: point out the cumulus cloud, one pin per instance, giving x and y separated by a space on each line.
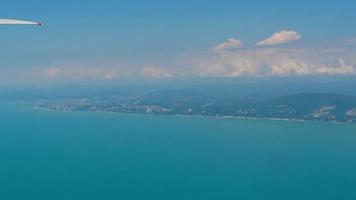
253 62
153 72
335 59
273 62
281 37
229 44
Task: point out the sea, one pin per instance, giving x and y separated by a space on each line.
46 155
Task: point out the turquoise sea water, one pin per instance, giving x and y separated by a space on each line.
51 155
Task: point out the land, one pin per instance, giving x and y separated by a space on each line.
332 101
190 102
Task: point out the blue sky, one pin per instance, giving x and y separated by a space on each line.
112 34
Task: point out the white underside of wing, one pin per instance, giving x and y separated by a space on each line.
17 22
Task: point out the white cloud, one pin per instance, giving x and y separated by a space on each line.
229 44
153 72
281 37
273 62
77 73
336 59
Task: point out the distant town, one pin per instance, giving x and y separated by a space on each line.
306 106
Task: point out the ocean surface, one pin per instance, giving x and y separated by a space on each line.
48 155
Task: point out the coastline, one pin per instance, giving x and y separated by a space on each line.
36 108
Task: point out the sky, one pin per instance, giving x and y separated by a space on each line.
87 40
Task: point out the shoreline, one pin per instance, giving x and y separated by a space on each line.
198 116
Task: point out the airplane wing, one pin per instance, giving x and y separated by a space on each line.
18 22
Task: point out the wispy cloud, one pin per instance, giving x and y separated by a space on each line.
154 72
98 73
77 73
281 37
